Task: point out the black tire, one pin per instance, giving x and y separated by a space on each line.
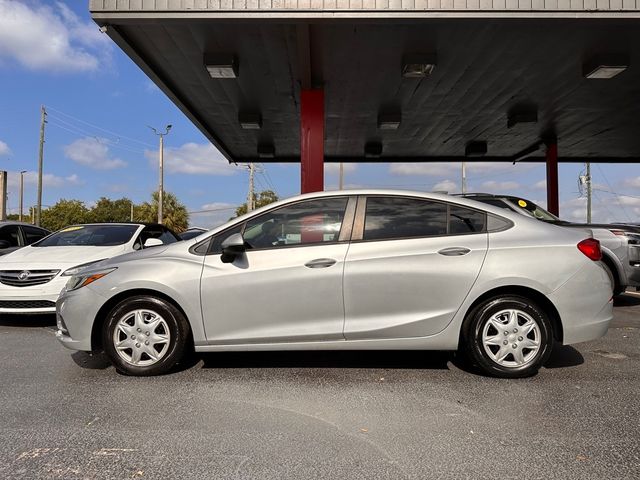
615 283
176 327
474 327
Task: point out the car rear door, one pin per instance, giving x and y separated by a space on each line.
287 286
410 265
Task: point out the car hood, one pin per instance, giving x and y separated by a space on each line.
140 254
43 257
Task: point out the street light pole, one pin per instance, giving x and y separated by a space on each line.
161 162
21 191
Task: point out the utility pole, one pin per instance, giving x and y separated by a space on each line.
132 210
588 182
251 198
161 179
43 120
464 178
21 191
341 181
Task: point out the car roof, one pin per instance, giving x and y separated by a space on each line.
26 224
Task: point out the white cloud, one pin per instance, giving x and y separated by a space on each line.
193 159
48 180
493 186
632 182
4 148
445 186
334 168
92 152
441 169
541 185
50 38
211 215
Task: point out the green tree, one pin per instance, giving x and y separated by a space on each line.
64 213
263 198
14 217
174 213
107 210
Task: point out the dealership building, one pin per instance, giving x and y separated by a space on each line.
316 81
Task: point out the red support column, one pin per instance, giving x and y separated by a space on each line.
312 140
553 204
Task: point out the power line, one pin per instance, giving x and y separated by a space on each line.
101 129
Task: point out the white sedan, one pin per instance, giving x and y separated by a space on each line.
31 278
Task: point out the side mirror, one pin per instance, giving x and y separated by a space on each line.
4 244
232 247
152 242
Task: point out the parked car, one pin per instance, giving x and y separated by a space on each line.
368 269
192 232
15 235
31 278
620 242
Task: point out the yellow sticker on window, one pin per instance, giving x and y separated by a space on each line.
522 203
71 229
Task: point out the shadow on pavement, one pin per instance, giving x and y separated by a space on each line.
564 356
48 320
329 359
92 361
626 300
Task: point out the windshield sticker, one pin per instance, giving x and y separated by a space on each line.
70 229
522 203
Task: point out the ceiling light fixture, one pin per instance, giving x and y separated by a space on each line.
389 120
373 150
604 67
266 150
475 149
250 120
522 114
221 65
418 65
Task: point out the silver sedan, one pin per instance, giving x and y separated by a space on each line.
368 269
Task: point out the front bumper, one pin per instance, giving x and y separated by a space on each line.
31 300
76 312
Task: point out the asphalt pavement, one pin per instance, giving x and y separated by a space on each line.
308 415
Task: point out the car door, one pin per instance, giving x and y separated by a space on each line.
287 286
411 263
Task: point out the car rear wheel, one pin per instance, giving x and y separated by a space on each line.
508 337
145 335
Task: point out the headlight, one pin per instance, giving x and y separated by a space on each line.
84 279
77 268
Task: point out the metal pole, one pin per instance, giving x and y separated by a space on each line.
43 120
251 195
588 181
161 181
21 191
132 210
341 181
464 178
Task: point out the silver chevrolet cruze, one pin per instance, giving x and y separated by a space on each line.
355 270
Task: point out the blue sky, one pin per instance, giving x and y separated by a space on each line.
98 143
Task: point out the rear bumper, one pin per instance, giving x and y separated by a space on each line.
585 305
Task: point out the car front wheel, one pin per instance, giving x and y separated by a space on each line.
508 337
145 335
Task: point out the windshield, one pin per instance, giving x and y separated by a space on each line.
533 209
90 235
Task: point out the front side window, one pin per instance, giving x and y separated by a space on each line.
389 218
309 222
89 235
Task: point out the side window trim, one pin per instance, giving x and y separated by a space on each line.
22 236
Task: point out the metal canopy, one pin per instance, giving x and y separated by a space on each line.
485 69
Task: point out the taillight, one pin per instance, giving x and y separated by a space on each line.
591 248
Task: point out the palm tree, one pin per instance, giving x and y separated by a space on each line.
174 214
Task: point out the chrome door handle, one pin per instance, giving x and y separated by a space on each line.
320 263
454 251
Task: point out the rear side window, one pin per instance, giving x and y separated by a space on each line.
398 217
32 234
10 234
465 220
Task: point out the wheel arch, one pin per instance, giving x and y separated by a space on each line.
101 316
525 292
610 260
